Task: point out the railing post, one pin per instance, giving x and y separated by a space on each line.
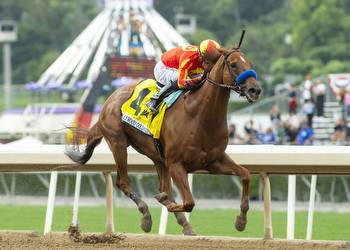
163 221
50 203
190 182
109 203
291 207
268 233
76 199
310 216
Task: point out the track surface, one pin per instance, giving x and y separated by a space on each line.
28 241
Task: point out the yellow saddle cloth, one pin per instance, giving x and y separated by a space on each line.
136 113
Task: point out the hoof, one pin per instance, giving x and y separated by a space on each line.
146 223
240 223
161 197
188 231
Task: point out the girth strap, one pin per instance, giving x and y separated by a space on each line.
159 147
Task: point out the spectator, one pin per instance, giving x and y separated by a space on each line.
294 121
347 131
308 109
120 24
307 87
291 132
233 136
251 138
275 115
339 134
291 90
281 133
231 131
252 134
292 103
347 103
291 127
341 95
249 128
269 137
305 134
135 28
319 91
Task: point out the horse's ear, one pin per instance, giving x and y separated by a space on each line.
215 55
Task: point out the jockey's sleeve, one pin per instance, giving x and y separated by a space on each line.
185 65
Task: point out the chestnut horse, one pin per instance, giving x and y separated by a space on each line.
193 137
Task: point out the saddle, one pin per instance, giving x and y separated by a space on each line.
136 113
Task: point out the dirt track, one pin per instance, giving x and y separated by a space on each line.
27 241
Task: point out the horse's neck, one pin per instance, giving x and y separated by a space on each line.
213 100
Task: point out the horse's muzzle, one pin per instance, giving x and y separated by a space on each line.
253 94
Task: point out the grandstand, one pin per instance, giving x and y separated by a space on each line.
120 46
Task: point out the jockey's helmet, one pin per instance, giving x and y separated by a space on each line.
206 47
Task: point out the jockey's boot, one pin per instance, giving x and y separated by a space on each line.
156 99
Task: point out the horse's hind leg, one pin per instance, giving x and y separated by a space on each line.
123 183
186 226
166 197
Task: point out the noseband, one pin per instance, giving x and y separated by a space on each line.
237 80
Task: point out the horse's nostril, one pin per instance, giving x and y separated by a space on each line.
254 91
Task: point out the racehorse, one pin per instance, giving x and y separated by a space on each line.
193 137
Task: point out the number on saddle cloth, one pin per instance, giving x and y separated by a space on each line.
137 102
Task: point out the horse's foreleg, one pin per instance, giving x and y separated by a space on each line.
166 193
179 176
123 183
227 166
166 197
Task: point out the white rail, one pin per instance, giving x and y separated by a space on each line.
261 159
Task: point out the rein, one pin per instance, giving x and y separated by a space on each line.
226 86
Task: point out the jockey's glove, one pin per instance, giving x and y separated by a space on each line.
192 82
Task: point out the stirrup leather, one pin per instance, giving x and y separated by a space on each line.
152 105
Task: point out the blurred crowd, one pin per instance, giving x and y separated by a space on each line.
289 131
134 27
297 127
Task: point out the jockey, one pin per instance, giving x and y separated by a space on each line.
181 67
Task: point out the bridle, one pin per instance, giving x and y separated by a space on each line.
236 86
238 80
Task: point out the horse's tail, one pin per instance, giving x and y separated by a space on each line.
93 137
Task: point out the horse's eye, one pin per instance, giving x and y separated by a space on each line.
233 65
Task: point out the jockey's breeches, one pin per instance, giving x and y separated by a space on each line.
165 75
